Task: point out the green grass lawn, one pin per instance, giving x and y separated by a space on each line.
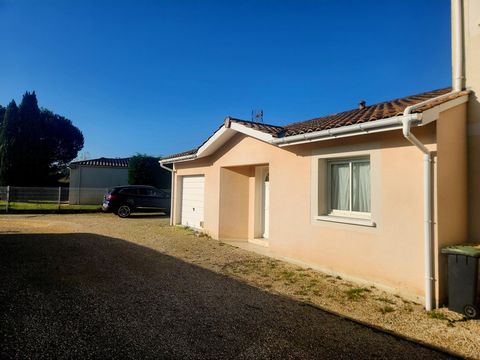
46 206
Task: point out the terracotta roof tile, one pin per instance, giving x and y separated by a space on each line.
107 162
369 113
274 130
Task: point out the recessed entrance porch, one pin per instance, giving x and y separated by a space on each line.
244 203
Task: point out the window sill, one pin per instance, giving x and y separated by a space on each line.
347 220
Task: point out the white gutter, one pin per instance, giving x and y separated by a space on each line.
172 189
350 130
177 159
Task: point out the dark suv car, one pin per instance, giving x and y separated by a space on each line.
123 200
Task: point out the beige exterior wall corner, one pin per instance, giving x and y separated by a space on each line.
471 18
451 193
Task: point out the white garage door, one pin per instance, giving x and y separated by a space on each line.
193 188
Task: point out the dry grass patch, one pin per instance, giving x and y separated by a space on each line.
386 300
386 309
356 293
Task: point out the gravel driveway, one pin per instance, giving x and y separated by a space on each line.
77 294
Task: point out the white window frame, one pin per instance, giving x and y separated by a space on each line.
346 213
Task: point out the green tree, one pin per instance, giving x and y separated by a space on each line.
7 143
2 114
61 143
29 154
40 145
145 170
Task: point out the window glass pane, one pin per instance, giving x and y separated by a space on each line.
144 191
340 187
152 192
129 191
361 186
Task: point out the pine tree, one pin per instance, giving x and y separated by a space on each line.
8 128
36 145
30 163
2 114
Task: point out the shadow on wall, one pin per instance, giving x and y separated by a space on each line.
86 295
474 166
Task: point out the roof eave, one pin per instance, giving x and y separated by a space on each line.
393 123
226 132
218 139
433 113
178 159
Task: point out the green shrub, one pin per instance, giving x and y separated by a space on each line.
434 314
356 293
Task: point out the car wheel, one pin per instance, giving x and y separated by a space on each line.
124 211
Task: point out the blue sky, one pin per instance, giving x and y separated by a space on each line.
158 77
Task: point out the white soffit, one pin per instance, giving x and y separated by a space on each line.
224 134
252 132
217 140
432 114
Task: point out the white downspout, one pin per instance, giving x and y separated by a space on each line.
458 71
172 191
427 156
427 213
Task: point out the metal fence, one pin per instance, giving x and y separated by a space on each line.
86 196
14 198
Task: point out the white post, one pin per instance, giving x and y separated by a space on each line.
59 196
8 199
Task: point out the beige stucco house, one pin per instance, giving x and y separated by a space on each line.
371 194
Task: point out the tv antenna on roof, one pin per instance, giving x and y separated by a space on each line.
257 115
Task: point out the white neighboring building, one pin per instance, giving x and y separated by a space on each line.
90 179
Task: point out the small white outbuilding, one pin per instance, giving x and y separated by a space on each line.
90 179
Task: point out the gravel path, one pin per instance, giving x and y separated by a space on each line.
82 295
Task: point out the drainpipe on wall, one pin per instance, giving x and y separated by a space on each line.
458 81
172 191
427 156
407 123
427 213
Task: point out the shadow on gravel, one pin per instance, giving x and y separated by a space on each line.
91 296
